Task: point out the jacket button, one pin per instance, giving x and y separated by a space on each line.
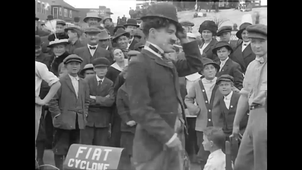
209 110
209 120
202 90
206 101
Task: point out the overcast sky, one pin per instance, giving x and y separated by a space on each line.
117 7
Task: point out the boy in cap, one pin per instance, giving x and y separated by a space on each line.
87 71
227 66
60 26
227 110
208 30
131 27
157 109
203 93
69 109
92 50
74 34
252 152
96 131
243 54
225 33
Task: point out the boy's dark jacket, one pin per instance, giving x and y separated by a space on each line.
99 111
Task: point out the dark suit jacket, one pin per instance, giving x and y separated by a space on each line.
99 112
71 47
232 68
227 116
243 58
66 104
154 97
86 56
131 47
208 50
122 104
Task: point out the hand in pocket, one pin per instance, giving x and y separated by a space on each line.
56 120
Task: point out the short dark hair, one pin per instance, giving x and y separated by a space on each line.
156 23
216 135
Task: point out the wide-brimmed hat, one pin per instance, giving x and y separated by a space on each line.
72 58
131 22
225 77
104 35
221 44
75 28
163 10
58 38
224 29
120 32
92 15
86 67
206 61
208 25
106 19
241 29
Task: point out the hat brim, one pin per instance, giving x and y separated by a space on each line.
222 31
127 34
238 33
101 65
86 18
178 25
126 25
73 60
64 43
84 69
223 79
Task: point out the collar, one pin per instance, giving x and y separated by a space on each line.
228 97
204 80
74 78
224 60
92 46
107 47
156 50
130 40
116 66
98 79
217 152
262 59
246 43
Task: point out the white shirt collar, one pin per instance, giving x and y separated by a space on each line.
116 66
146 47
217 152
74 78
205 81
92 46
130 40
247 43
228 97
223 62
98 79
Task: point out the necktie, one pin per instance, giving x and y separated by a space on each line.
99 82
92 47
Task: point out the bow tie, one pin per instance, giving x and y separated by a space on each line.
92 47
244 44
260 60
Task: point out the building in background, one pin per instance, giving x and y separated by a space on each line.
43 9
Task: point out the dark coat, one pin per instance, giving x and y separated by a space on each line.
55 62
154 98
99 111
66 104
122 104
208 50
86 56
233 69
131 47
71 47
243 58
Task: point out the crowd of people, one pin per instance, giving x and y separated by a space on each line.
155 89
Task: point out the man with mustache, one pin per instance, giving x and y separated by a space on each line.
154 93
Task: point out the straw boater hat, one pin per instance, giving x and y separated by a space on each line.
92 15
120 32
92 30
221 44
58 38
86 67
208 25
61 22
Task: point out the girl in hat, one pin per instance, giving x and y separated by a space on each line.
208 30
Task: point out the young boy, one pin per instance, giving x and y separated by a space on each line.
213 141
203 92
227 110
97 129
87 71
69 109
228 66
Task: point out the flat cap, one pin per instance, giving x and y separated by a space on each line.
221 44
225 77
224 29
101 62
187 24
72 58
257 31
92 30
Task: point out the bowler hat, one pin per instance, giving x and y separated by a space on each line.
86 67
163 10
224 29
206 61
76 19
72 58
221 44
92 30
38 40
106 19
57 38
257 31
187 24
100 62
131 22
120 32
92 15
104 35
225 77
74 28
208 25
241 29
49 17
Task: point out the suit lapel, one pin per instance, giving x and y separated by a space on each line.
239 55
209 46
87 53
233 100
247 51
69 84
104 84
157 59
227 63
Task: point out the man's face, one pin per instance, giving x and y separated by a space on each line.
131 29
38 50
101 71
118 55
165 37
89 73
104 43
206 35
59 28
244 36
107 22
223 53
59 49
72 35
93 38
225 87
123 42
209 71
259 46
73 67
92 22
226 36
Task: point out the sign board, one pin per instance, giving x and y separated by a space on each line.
88 157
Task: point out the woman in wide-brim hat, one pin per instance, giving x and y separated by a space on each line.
121 39
242 27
